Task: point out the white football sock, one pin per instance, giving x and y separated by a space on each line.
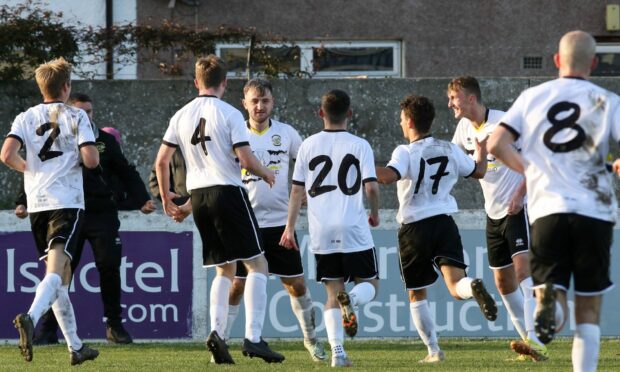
362 293
304 311
233 312
255 295
45 295
586 346
424 323
335 332
63 310
514 305
463 288
529 308
219 303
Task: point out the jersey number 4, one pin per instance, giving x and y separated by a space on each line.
569 122
45 153
199 136
347 162
441 171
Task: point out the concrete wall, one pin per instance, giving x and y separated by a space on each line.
141 110
439 38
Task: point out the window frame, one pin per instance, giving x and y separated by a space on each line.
306 55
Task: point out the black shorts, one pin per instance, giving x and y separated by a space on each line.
425 246
226 223
346 266
282 262
565 245
506 238
57 226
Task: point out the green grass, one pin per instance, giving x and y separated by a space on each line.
376 355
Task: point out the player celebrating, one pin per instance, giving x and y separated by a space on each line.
564 126
332 166
55 137
507 227
426 170
275 144
212 137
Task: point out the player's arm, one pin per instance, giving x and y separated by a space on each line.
387 175
90 155
500 146
162 169
248 161
516 200
10 154
481 159
372 194
288 236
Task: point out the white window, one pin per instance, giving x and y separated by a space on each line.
608 59
320 59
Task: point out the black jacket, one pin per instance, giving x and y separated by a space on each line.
99 183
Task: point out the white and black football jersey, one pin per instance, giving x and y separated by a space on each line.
500 182
207 130
275 147
428 169
333 166
564 126
52 134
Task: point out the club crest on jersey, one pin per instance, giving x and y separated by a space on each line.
276 140
100 147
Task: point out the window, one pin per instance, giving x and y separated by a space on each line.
321 59
608 60
532 63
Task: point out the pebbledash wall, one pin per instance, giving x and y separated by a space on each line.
165 287
141 111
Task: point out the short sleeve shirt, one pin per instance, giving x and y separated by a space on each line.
275 147
500 182
564 126
207 130
333 167
52 134
428 169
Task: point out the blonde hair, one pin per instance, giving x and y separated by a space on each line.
210 71
52 76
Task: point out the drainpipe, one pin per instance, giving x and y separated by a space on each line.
109 56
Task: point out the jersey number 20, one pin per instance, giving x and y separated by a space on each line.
347 162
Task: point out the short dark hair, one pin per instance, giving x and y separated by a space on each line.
336 104
211 71
467 83
421 110
79 97
260 85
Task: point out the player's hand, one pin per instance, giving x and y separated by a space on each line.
148 207
170 208
184 211
288 239
616 167
481 145
21 211
373 220
515 205
269 177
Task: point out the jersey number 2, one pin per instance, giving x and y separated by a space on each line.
45 153
347 162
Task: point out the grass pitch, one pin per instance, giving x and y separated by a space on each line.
367 355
